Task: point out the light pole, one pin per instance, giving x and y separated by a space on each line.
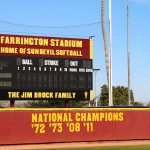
128 53
96 85
110 57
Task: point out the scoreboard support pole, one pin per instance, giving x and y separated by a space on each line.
12 103
66 104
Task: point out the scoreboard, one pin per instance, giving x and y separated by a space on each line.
36 68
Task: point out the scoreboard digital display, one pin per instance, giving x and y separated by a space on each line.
36 68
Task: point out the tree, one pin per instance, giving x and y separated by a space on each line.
104 96
120 96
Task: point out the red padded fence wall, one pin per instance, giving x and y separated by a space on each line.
18 126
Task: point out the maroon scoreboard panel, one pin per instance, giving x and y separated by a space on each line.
34 67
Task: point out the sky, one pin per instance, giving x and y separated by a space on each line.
82 19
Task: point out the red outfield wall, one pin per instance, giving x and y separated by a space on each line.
63 125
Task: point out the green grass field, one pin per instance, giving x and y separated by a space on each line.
139 147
